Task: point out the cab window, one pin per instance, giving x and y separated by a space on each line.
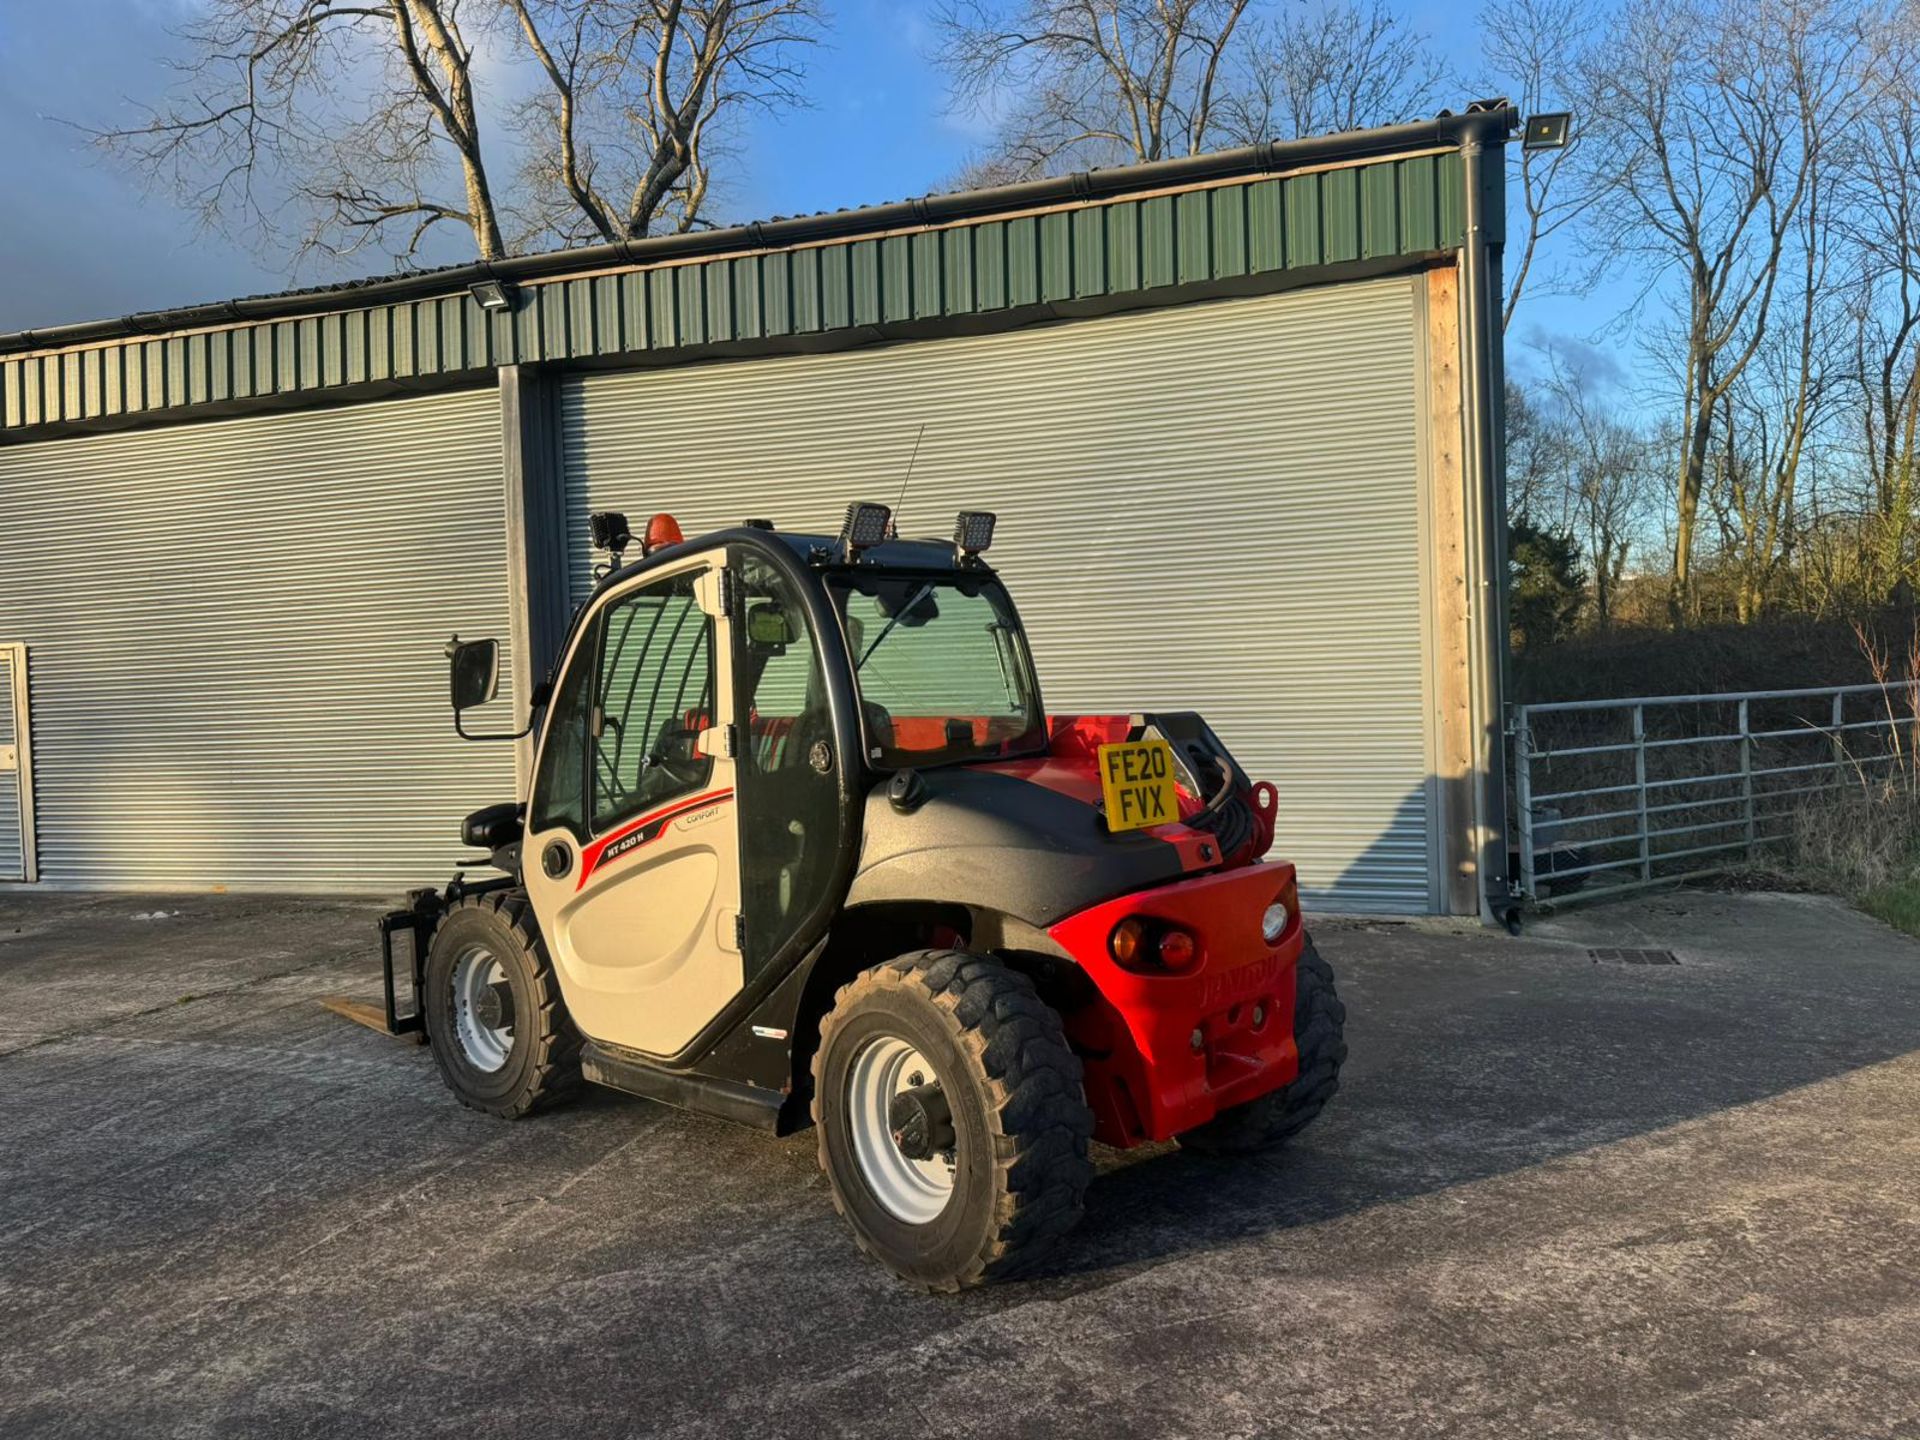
653 698
786 774
942 668
559 788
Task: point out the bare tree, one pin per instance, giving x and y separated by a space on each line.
1536 50
1078 82
1605 478
1879 220
1763 434
1538 451
638 93
367 115
1329 67
1087 82
1780 400
1726 104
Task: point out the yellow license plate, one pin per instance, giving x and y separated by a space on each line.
1136 781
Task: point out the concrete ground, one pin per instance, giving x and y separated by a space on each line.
1557 1196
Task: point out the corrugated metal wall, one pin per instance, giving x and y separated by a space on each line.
1379 210
1214 507
13 865
236 630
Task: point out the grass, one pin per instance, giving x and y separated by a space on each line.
1897 903
1863 843
1862 839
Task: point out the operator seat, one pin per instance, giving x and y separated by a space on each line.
494 827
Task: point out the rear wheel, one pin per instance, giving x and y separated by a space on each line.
952 1120
1319 1030
500 1031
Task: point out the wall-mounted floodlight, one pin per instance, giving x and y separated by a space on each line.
1547 131
492 295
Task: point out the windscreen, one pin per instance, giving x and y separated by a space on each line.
942 668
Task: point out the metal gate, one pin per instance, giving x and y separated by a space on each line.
16 768
1615 796
1212 506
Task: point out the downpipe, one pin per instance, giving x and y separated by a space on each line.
1486 513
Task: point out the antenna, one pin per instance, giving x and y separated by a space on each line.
918 437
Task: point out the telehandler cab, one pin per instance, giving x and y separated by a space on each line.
801 846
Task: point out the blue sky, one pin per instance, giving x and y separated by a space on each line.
81 240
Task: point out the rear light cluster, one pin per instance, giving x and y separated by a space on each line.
1153 947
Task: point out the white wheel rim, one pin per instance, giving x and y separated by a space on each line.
915 1191
475 973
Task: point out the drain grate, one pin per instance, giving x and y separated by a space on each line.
1634 957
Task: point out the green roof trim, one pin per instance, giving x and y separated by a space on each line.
1140 249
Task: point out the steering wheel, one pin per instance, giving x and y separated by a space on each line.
678 755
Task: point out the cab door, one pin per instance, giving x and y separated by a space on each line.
788 774
633 853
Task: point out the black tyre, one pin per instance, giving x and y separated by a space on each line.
952 1118
1319 1030
500 1031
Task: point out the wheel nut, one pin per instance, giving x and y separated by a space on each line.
1199 1040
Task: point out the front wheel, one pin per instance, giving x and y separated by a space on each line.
501 1033
952 1119
1319 1031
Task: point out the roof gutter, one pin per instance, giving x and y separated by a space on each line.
1267 157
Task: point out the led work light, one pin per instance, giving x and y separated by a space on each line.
492 295
866 525
972 531
1547 131
609 532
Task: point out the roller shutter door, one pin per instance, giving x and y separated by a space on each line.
236 630
1215 507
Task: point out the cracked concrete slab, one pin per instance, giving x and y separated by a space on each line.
1557 1196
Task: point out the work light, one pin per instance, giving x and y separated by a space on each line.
492 295
608 530
1547 131
866 525
973 531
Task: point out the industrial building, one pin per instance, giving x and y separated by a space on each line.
1238 414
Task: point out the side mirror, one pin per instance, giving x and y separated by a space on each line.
474 672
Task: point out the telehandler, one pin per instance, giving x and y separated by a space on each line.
801 845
